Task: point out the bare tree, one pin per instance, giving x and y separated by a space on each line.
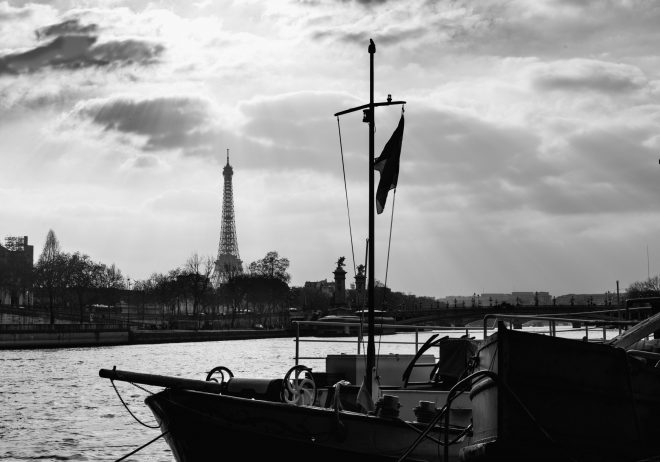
647 288
198 272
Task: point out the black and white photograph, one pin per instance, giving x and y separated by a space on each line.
337 230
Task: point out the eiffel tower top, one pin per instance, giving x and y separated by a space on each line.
228 170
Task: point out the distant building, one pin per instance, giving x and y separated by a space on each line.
325 287
16 262
607 298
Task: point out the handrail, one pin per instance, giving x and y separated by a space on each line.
554 319
397 327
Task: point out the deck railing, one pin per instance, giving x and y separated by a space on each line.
362 330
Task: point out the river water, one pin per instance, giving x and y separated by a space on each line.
54 405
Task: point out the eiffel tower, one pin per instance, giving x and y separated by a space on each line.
229 261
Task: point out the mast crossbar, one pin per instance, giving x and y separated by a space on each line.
366 106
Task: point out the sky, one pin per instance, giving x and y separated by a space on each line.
529 159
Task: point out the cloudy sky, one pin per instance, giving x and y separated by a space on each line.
529 160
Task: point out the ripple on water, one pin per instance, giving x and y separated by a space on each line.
57 457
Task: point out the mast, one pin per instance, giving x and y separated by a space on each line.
369 116
371 348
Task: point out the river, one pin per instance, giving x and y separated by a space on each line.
54 405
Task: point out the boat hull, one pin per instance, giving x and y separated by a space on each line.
206 426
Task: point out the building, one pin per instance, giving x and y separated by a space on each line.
16 264
325 287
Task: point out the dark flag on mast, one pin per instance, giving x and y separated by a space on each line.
388 166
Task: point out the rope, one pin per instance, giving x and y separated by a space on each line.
142 447
129 411
387 265
343 167
389 242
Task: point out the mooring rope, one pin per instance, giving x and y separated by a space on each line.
142 447
112 382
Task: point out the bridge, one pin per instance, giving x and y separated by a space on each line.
461 316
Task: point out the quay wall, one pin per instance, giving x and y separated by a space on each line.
60 338
173 336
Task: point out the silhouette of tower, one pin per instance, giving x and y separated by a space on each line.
229 261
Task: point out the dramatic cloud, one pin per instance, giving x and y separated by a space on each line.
169 122
76 51
127 51
68 27
550 29
290 131
68 51
589 75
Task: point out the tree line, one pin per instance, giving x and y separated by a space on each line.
75 281
644 289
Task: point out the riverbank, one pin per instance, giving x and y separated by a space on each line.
68 338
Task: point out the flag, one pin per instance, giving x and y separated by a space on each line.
388 166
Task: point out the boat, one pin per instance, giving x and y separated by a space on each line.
334 325
383 321
325 416
514 396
